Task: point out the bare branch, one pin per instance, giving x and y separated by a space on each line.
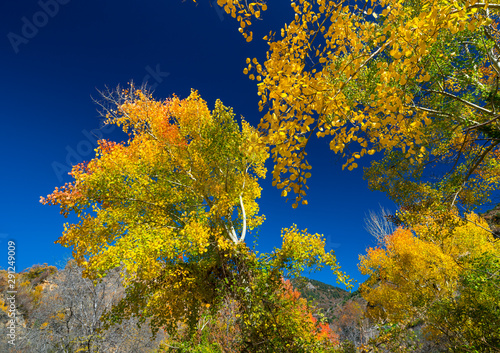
378 224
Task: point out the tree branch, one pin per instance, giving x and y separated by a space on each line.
472 105
244 230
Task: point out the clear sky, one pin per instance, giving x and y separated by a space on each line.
56 54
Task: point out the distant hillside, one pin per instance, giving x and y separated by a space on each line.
324 296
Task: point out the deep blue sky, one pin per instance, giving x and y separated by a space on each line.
50 72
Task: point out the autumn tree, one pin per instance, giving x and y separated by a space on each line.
172 207
160 203
445 280
417 81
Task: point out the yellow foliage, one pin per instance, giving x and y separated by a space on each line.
243 13
415 269
3 306
169 202
324 77
307 251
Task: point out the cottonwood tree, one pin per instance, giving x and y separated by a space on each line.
160 203
443 279
172 206
417 81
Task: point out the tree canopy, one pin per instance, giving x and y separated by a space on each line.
414 79
446 281
171 208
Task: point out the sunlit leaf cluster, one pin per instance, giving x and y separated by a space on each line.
445 280
244 12
392 76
